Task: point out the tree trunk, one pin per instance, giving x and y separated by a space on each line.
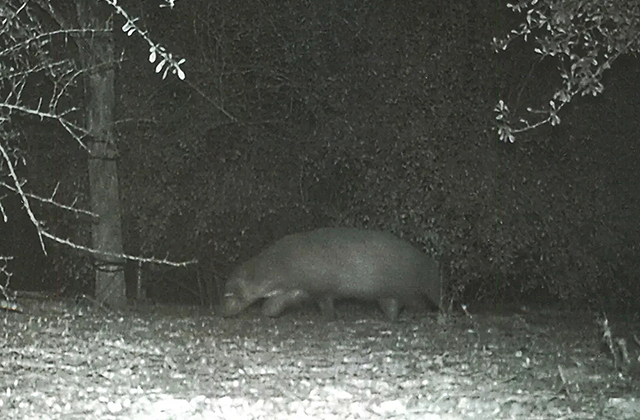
96 49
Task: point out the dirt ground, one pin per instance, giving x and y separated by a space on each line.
72 361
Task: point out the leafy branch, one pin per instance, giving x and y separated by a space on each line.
167 62
586 36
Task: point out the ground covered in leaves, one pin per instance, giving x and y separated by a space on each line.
64 361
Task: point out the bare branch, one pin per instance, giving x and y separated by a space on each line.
50 200
92 251
25 201
71 127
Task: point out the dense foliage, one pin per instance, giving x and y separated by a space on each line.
373 115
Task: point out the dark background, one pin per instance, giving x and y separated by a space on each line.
368 114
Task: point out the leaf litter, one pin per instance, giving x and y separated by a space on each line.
185 363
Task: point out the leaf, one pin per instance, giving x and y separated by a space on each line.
181 74
160 65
